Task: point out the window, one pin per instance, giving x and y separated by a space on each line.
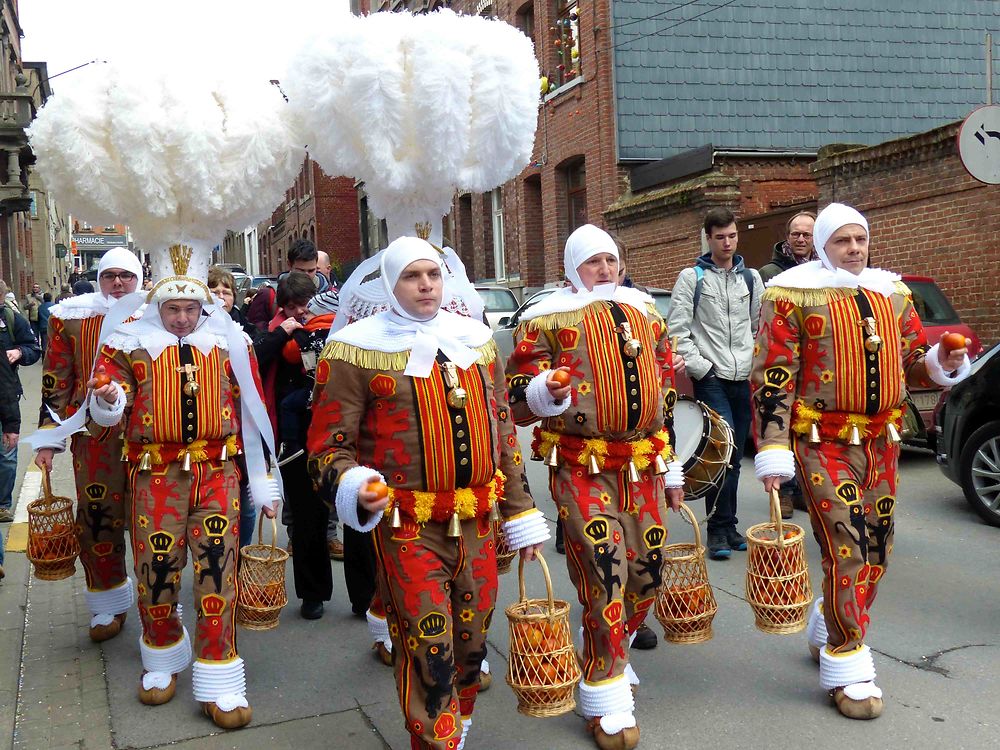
931 305
576 194
526 20
499 261
566 42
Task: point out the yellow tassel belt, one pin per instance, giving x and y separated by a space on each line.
609 455
467 502
841 426
168 453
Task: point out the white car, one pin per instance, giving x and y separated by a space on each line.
499 301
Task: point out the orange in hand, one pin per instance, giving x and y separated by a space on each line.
952 341
101 378
561 377
379 488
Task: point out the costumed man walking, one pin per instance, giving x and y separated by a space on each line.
838 345
606 438
74 335
185 388
414 397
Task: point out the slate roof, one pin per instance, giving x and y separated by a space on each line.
776 74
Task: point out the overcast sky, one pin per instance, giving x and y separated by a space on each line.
67 33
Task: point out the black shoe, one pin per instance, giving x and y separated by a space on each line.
718 546
799 502
736 540
311 609
560 547
645 638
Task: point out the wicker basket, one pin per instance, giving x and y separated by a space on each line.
261 582
685 602
504 553
543 669
778 587
53 545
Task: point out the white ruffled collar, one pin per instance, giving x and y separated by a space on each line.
455 335
148 333
814 275
567 300
82 306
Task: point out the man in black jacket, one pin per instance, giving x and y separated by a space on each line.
797 248
10 419
21 348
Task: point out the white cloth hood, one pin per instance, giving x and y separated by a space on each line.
830 219
398 255
584 243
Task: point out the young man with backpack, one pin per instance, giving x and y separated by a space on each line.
713 315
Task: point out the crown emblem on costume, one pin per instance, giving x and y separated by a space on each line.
597 530
103 548
212 605
160 611
884 505
776 377
216 524
161 541
654 536
433 625
848 492
180 258
95 490
613 612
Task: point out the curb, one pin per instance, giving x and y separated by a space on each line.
17 535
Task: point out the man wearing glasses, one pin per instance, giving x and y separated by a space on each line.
797 248
74 340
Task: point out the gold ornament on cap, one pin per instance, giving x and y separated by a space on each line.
423 230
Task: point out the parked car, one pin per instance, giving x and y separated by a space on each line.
968 446
233 268
503 334
938 317
499 301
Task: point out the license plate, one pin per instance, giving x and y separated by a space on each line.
925 400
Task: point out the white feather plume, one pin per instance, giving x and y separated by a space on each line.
417 107
178 156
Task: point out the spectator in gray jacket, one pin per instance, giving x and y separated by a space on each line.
713 314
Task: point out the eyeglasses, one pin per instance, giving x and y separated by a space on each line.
123 275
802 235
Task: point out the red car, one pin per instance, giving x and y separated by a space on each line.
938 317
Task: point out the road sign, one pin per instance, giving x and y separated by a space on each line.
979 144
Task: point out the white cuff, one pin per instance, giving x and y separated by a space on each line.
38 441
348 488
539 399
214 680
378 629
607 698
774 462
937 373
675 475
526 530
268 493
110 602
105 414
837 671
170 659
816 629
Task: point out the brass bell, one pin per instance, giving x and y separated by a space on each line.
536 456
224 455
855 435
893 433
553 459
456 398
186 463
146 462
873 343
495 516
633 473
397 522
124 453
633 348
191 388
659 466
814 433
455 526
593 467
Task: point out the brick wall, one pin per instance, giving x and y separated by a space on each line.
927 217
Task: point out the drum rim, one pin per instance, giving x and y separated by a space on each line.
706 424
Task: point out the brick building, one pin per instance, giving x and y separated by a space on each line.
319 208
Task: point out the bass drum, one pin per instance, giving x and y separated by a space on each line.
704 444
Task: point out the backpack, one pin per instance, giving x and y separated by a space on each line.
699 274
